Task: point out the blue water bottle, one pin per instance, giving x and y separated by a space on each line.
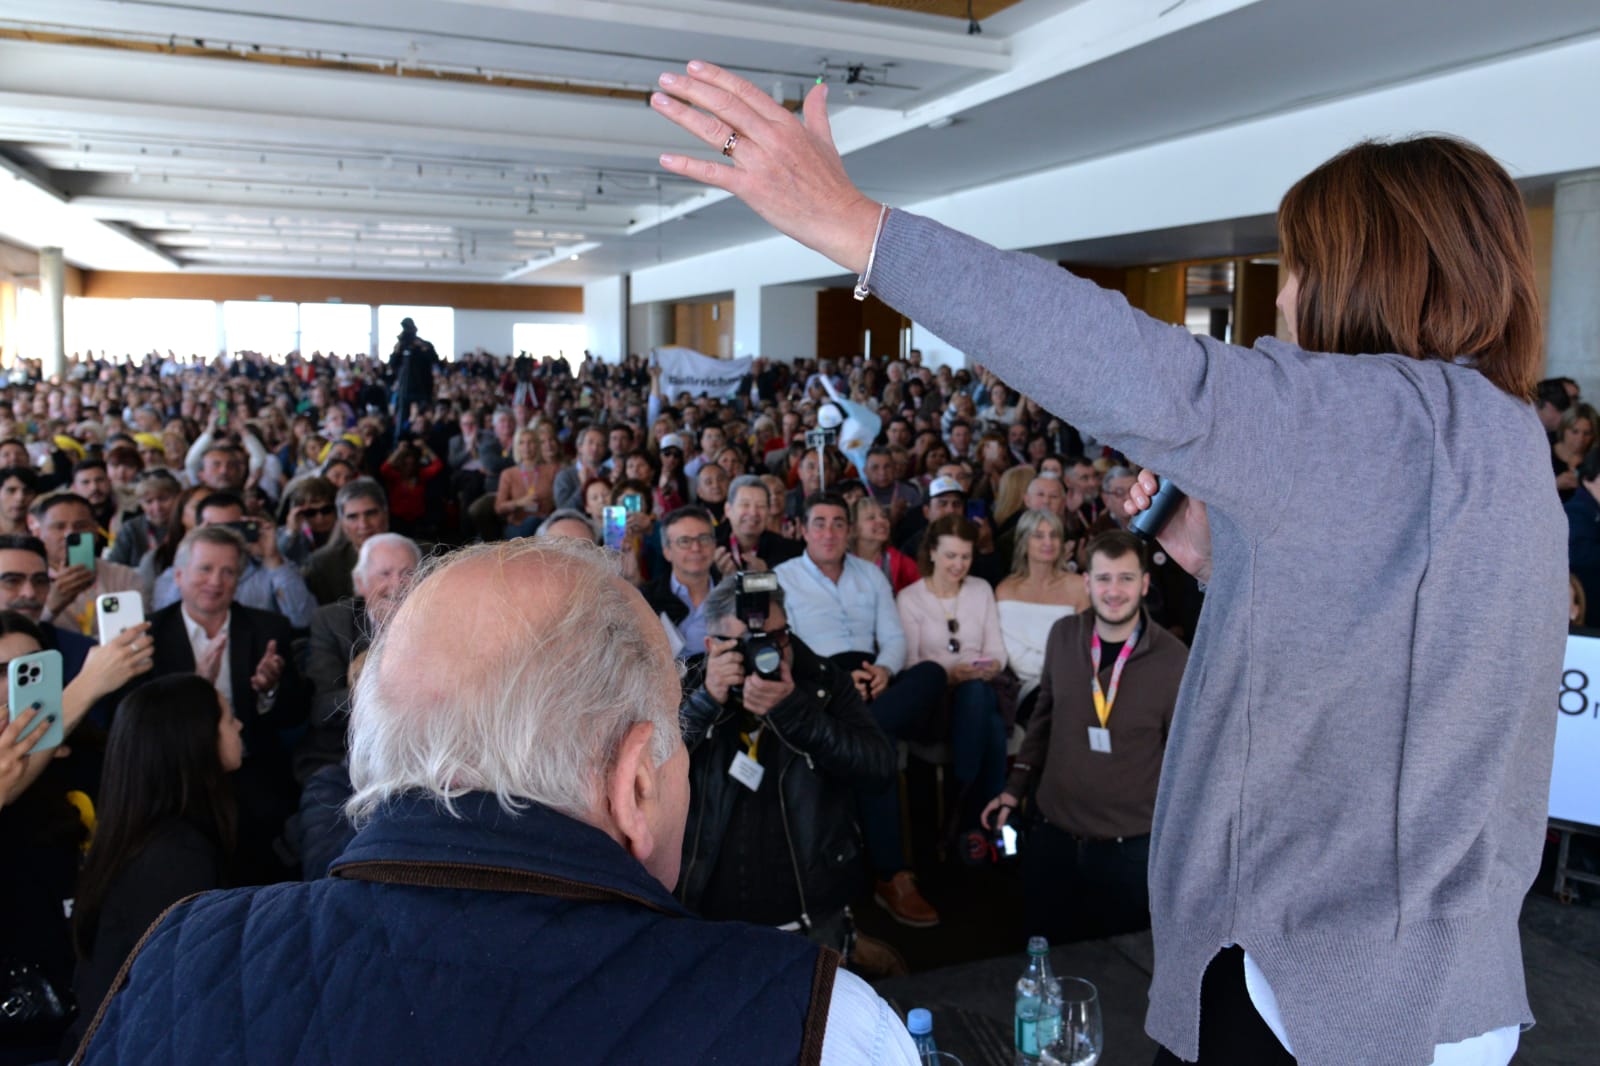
919 1023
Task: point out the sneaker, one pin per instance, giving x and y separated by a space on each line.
872 959
899 896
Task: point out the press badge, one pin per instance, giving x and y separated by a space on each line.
748 772
1100 740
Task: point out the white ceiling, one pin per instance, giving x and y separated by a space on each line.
227 165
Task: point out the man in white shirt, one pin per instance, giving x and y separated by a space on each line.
843 608
244 653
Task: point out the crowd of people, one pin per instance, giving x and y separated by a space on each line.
968 594
269 515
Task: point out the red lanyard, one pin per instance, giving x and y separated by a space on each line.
1102 702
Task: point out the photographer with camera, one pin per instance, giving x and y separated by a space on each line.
779 740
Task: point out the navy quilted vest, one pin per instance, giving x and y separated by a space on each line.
351 971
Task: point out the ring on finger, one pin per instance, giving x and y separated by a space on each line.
732 142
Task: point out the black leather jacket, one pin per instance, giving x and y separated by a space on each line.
827 746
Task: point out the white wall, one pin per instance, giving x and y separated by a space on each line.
491 330
789 322
1533 111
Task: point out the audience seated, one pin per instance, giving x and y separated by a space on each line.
949 618
340 632
363 512
564 779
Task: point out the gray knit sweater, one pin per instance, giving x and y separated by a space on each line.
1355 787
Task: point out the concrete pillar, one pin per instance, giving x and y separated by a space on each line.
605 315
372 334
789 322
746 321
53 287
1572 345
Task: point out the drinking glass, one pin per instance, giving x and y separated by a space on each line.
1081 1038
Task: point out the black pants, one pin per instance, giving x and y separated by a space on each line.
1080 890
1231 1030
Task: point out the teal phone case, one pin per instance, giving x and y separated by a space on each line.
35 681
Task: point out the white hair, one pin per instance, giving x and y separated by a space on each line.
538 715
379 540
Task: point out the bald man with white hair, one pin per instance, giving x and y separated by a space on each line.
520 788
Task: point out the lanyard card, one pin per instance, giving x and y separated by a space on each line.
1100 739
746 771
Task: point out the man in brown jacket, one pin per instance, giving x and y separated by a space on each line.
1093 750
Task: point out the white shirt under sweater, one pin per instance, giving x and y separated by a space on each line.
1493 1048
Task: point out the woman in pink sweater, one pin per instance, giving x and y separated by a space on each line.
950 618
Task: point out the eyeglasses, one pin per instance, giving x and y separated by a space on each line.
703 540
13 582
953 645
319 512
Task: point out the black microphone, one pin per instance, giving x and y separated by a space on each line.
1149 522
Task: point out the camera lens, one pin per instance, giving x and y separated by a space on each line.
768 660
111 605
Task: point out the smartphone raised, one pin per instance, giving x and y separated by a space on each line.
1006 842
633 503
615 526
977 510
81 549
34 681
117 612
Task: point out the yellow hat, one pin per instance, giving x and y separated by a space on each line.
149 440
70 446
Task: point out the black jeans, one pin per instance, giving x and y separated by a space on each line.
1231 1030
1083 889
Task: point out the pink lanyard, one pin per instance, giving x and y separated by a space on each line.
1102 702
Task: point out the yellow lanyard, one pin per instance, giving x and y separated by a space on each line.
752 741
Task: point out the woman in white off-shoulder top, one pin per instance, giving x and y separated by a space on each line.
1040 590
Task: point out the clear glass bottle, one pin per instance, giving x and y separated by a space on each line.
1033 1006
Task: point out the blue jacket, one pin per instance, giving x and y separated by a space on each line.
352 971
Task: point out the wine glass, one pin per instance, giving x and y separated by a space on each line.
1081 1038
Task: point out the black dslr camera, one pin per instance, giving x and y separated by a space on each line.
762 656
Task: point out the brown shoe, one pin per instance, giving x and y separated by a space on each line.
872 958
899 896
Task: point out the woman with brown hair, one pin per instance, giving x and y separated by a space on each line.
1354 792
949 618
1577 433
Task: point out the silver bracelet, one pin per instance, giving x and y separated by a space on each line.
861 291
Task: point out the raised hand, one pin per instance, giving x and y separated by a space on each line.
789 172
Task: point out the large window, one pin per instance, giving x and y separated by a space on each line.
540 339
264 326
186 328
436 324
336 329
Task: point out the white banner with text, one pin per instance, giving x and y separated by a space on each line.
686 370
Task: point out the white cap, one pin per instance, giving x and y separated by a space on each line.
672 440
943 486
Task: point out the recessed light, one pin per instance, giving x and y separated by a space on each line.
572 257
942 122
